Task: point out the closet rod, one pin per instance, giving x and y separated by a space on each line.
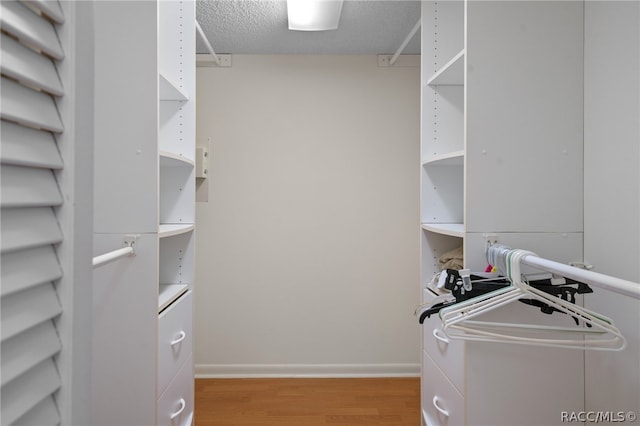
129 249
617 285
112 255
206 42
405 42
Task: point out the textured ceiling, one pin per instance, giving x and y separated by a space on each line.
260 27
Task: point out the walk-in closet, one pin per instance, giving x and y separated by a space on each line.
406 212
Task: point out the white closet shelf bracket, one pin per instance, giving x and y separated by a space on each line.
221 62
129 250
406 41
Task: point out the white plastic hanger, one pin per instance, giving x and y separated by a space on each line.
458 323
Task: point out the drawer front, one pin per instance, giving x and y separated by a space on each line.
175 406
175 339
442 404
447 353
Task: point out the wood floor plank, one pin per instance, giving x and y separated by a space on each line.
307 402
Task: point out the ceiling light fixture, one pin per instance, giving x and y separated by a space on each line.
313 15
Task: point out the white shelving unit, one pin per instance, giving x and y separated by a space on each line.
176 210
145 185
496 78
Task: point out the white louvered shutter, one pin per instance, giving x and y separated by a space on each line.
30 268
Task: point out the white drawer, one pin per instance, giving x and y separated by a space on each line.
175 341
175 406
447 353
442 404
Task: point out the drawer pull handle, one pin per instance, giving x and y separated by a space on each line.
440 409
181 336
183 404
436 334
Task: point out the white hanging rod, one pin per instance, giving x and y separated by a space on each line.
405 42
617 285
206 42
112 255
129 249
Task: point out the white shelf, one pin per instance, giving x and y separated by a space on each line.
451 229
455 158
167 293
169 230
169 91
451 74
169 159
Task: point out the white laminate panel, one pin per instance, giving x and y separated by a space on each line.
447 353
177 195
442 194
524 116
442 120
177 400
612 192
442 404
126 117
442 34
175 323
539 383
124 339
177 259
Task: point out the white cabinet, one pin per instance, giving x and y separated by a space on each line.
145 185
446 353
175 339
501 153
175 406
442 404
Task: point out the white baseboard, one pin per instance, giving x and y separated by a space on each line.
205 371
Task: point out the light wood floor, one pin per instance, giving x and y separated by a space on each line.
307 402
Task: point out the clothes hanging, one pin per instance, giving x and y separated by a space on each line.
482 284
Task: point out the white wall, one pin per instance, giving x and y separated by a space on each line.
612 192
307 248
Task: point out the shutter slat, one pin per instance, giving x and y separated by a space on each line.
28 268
24 393
28 67
49 8
31 29
44 413
28 308
26 350
23 146
29 187
29 107
26 228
